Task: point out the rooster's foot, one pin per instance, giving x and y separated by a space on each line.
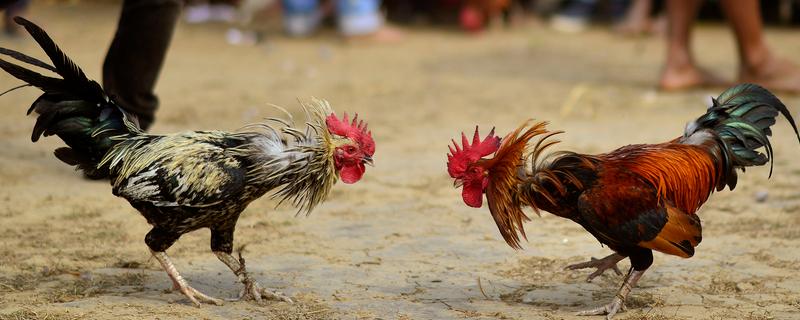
618 303
253 291
197 296
179 283
609 262
608 310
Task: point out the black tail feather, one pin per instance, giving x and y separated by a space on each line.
754 103
72 107
741 117
64 66
68 156
14 88
54 111
27 59
47 84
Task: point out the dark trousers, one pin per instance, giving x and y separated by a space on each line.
12 8
137 53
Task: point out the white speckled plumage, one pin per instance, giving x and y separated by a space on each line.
190 180
206 168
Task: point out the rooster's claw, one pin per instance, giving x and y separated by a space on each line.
253 291
608 310
609 262
196 296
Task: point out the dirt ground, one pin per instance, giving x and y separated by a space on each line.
400 244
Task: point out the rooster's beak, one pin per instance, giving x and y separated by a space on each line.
458 183
367 160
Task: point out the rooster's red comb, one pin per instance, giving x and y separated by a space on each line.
459 158
356 131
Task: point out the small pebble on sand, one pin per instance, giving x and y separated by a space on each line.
761 196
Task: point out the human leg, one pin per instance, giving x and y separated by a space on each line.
757 62
680 70
137 53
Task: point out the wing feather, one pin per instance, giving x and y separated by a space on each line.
624 211
187 171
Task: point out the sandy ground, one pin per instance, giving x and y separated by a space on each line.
400 244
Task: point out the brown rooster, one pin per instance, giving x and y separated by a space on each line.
635 199
191 180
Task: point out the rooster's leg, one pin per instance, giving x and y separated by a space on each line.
180 283
619 300
251 290
609 262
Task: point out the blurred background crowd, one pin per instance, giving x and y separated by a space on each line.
370 17
251 22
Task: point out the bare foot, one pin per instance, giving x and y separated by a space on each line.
630 28
658 26
687 77
634 25
776 74
385 34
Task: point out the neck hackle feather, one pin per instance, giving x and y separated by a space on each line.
506 172
312 180
683 175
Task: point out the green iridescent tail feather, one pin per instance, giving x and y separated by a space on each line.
742 116
72 107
